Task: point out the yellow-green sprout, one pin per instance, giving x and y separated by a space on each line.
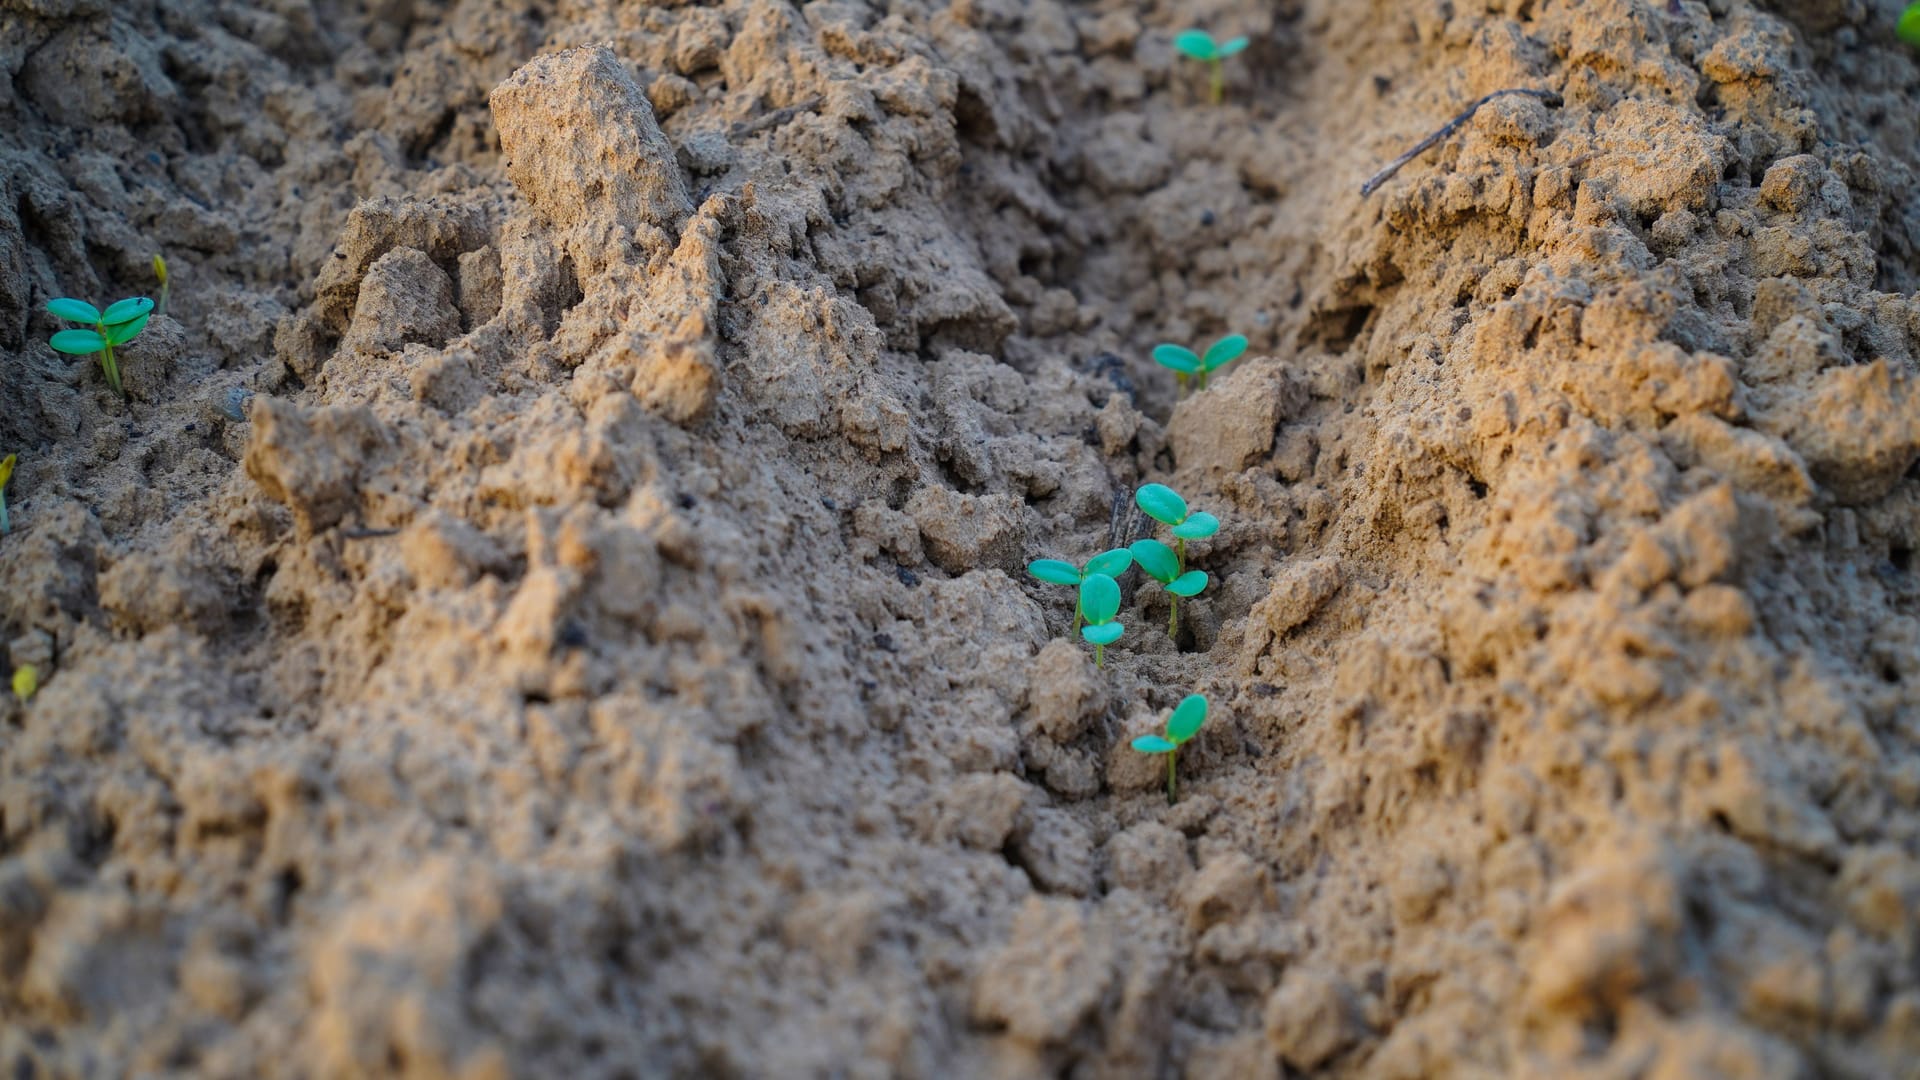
26 682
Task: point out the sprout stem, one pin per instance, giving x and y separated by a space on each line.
1100 656
1079 616
5 525
1180 551
1218 88
1173 777
112 369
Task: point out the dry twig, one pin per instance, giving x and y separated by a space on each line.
1373 183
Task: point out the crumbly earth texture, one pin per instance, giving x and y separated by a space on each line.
552 603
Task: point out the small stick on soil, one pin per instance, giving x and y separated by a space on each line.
1373 183
366 534
774 118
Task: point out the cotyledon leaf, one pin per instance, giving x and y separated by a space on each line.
1198 526
1162 504
1187 717
1054 572
121 333
1197 44
1111 563
1099 598
1104 634
126 311
1188 584
74 310
1152 744
1183 360
1224 352
1157 559
78 342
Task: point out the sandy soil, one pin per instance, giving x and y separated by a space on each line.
552 604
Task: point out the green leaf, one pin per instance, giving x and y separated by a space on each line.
1054 572
1162 504
1224 352
1104 634
1111 563
74 310
134 307
1153 744
1187 717
124 332
1099 598
1197 44
1185 361
1232 45
1157 559
1909 26
1197 526
77 342
1188 584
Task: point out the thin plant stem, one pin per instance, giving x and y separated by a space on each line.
5 526
1173 776
1218 90
1181 378
1079 616
1180 551
1100 656
112 369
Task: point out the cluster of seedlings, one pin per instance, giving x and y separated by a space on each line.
1096 612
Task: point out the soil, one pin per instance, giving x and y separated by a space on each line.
552 602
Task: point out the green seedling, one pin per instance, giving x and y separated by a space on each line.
1909 26
1164 505
1182 726
160 274
1163 565
115 326
26 682
1056 572
6 474
1200 45
1100 602
1185 363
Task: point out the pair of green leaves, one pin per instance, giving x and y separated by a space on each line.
1164 505
1059 572
1200 45
1100 603
115 326
1163 565
1182 726
1184 362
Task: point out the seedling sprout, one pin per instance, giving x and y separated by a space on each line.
1058 572
1184 362
1200 45
160 274
1164 505
6 474
1182 726
115 326
1909 25
1100 603
26 682
1163 565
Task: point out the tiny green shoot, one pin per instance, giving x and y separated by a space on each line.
26 682
160 275
6 474
1909 26
1200 45
1185 363
115 326
1058 572
1182 726
1163 565
1164 505
1100 602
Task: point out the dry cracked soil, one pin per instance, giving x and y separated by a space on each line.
552 602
